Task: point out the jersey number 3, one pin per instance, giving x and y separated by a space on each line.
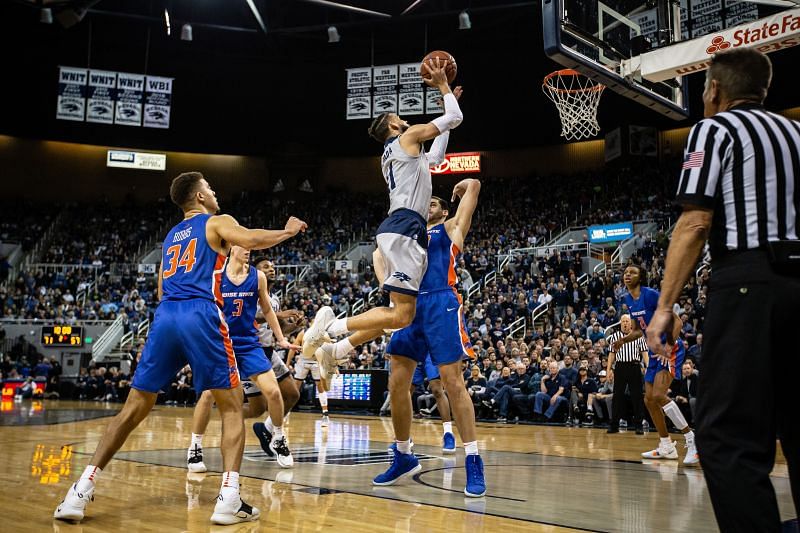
186 261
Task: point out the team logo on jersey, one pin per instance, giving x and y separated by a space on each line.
402 276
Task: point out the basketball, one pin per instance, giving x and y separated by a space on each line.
451 68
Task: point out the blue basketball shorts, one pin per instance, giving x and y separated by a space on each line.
187 331
676 358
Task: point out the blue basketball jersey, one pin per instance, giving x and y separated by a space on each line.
442 257
241 304
191 268
642 309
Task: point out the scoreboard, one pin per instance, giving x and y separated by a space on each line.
61 336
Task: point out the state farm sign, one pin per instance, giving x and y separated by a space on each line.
459 164
776 32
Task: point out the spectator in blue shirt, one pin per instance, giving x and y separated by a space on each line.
552 391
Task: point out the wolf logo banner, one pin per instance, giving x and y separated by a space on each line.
411 95
101 96
71 93
384 97
130 89
359 86
157 102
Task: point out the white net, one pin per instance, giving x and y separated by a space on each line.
576 97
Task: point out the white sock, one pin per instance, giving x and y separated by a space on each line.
471 448
197 440
448 427
342 348
230 485
323 401
689 436
88 478
404 446
277 432
269 425
338 327
665 441
590 408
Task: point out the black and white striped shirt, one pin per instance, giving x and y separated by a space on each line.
630 352
745 165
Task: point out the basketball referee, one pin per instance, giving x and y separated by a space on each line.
624 368
740 188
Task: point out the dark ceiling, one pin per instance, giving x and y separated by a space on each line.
240 90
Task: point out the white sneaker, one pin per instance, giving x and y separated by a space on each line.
692 458
194 460
282 453
662 452
325 421
74 504
327 361
233 511
317 334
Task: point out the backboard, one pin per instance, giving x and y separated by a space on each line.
643 49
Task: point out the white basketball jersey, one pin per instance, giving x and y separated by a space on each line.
408 178
265 335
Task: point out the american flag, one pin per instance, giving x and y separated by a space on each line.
693 160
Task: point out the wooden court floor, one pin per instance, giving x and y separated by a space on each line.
539 478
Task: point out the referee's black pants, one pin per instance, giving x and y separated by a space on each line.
747 393
629 374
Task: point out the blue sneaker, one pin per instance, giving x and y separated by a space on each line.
264 437
476 484
403 464
449 443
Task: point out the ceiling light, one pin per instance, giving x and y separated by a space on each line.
333 34
463 21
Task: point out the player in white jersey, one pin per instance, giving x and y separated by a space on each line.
402 238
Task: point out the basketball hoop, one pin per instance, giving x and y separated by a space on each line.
576 97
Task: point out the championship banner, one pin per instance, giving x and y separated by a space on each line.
101 96
412 97
461 163
130 90
157 102
384 96
359 101
433 101
71 93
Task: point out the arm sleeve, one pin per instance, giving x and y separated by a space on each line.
704 161
452 114
438 149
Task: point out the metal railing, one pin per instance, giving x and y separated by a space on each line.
108 340
373 295
538 311
514 327
548 249
600 268
702 268
343 314
143 329
357 307
50 321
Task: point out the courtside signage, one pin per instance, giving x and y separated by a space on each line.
140 160
611 232
461 163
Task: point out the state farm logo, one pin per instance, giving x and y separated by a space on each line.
718 43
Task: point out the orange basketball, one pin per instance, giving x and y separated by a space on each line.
444 57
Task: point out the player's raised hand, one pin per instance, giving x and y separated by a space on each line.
458 91
294 225
437 71
461 188
286 345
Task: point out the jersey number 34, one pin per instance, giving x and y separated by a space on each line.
186 258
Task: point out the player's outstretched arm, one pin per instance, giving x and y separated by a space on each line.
229 231
457 227
439 146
